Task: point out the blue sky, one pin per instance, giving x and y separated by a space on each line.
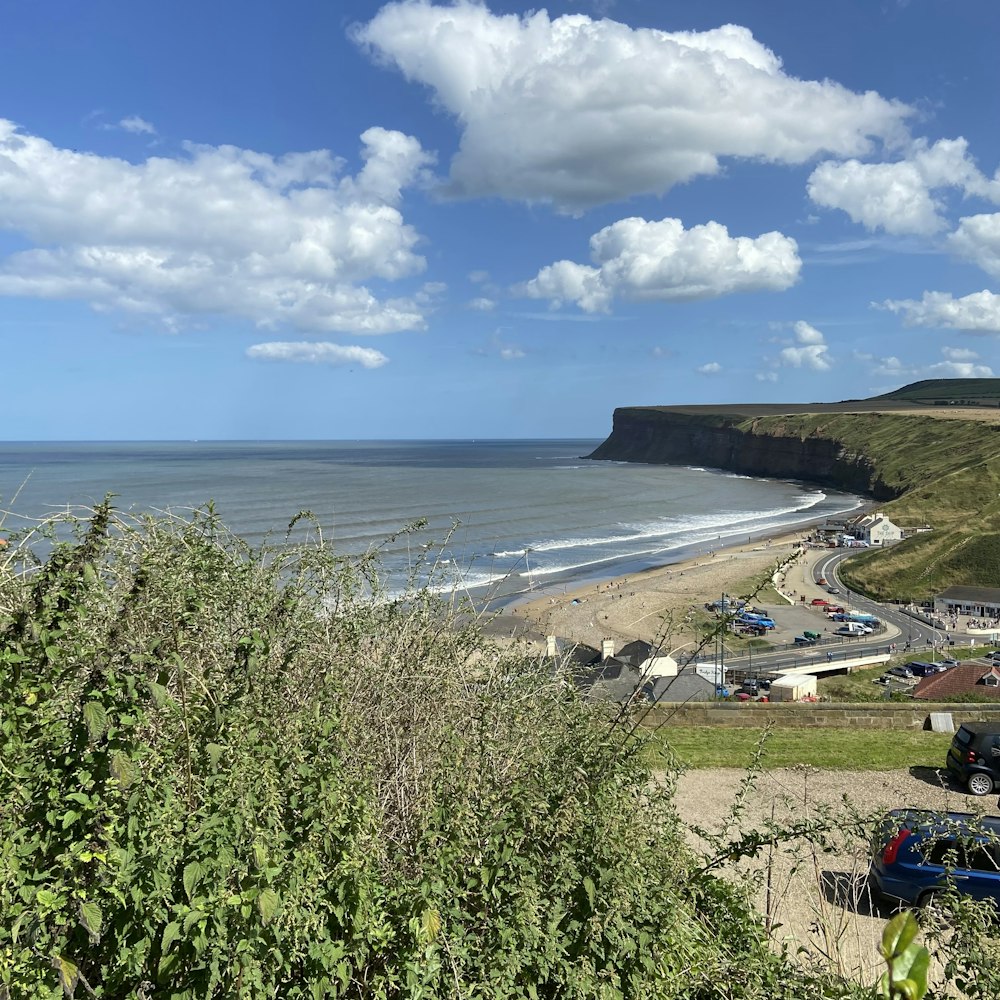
359 220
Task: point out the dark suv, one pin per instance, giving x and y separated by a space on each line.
974 757
920 853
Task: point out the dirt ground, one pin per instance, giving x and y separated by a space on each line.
819 898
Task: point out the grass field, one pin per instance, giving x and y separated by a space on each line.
844 749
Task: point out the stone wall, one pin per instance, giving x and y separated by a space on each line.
873 715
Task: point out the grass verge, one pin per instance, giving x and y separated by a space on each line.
843 749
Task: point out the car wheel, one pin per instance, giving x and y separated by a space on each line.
933 909
979 784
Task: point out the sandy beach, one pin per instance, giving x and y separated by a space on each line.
656 604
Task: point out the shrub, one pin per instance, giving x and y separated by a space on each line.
237 773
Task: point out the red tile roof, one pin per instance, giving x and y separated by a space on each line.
963 679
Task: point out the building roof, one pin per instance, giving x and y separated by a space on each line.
963 679
636 652
985 595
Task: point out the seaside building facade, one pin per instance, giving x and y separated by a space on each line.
979 602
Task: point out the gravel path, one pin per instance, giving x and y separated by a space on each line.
818 898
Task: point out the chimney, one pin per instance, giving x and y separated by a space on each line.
550 645
607 648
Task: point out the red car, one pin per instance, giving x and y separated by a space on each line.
819 602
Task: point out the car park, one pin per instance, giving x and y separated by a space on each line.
973 759
918 854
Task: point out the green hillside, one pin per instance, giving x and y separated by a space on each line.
946 474
949 392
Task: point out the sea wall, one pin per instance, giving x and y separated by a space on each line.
871 715
737 444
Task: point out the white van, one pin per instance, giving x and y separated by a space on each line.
855 628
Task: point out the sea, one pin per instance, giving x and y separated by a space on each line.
499 518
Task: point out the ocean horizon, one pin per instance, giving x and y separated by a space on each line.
502 515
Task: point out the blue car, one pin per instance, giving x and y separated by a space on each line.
919 853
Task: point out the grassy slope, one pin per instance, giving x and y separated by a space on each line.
948 475
846 749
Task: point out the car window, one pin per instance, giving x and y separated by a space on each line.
962 855
963 736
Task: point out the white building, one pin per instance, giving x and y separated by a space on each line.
875 529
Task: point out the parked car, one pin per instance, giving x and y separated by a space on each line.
974 757
855 629
902 671
949 662
919 854
819 602
921 668
804 640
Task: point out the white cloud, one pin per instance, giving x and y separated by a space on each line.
137 125
511 353
809 350
217 231
959 354
710 368
308 352
636 259
959 363
977 238
897 197
770 376
482 304
581 112
975 313
806 334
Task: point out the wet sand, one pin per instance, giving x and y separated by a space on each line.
657 604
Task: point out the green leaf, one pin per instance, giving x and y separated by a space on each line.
268 904
192 876
192 918
159 693
69 974
96 719
590 889
430 923
898 934
170 934
92 919
215 752
122 770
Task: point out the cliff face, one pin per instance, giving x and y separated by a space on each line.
735 444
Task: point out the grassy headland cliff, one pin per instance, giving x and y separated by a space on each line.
929 452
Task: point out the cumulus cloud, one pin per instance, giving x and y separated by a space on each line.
959 362
710 368
898 197
217 231
809 351
482 304
637 259
308 352
581 112
975 313
977 239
